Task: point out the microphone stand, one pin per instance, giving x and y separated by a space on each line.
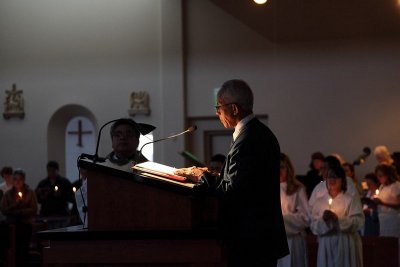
189 130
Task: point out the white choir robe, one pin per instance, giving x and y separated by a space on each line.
295 213
321 190
82 201
339 244
389 218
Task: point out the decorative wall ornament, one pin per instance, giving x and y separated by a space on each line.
14 103
139 103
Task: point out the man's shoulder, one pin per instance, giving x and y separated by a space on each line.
63 179
43 182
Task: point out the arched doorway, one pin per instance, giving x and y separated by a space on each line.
57 130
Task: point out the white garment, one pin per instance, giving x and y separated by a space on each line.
241 124
4 187
82 200
389 218
338 244
321 190
296 217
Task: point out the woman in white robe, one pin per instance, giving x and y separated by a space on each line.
295 213
336 218
321 188
388 200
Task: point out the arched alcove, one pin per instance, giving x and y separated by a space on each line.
56 130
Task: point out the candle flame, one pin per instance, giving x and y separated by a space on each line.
20 194
377 192
330 201
74 189
56 188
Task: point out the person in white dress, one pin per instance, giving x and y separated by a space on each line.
294 204
321 188
388 201
336 218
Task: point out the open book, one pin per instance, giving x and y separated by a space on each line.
158 169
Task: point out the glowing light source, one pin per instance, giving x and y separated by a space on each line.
330 203
260 2
74 189
56 188
20 194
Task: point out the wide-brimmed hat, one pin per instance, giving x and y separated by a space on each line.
142 128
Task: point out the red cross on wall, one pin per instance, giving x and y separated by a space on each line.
79 132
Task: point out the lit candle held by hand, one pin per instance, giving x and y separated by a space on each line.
376 193
20 195
330 203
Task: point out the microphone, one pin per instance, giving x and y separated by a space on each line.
95 158
361 158
189 130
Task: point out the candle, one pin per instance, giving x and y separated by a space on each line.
74 189
376 193
56 188
330 203
20 194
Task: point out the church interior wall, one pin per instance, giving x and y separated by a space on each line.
64 53
333 96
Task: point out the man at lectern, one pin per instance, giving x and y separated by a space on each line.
248 184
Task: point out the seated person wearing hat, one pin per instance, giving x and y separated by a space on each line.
125 135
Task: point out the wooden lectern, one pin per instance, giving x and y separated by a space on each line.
138 220
124 200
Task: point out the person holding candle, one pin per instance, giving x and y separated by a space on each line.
321 188
370 209
294 204
19 204
54 193
388 200
336 218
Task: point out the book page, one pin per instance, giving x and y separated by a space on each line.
159 169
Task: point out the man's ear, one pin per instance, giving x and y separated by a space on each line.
235 109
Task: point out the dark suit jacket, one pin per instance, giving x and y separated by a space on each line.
250 191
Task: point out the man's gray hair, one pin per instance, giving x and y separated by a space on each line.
238 92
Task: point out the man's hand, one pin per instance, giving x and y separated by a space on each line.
192 173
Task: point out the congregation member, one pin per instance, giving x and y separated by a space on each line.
248 185
388 201
322 188
54 193
295 212
19 205
350 172
371 227
383 156
336 218
7 175
313 176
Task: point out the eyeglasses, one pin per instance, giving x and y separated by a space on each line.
219 106
119 135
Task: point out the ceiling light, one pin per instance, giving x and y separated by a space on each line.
260 2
